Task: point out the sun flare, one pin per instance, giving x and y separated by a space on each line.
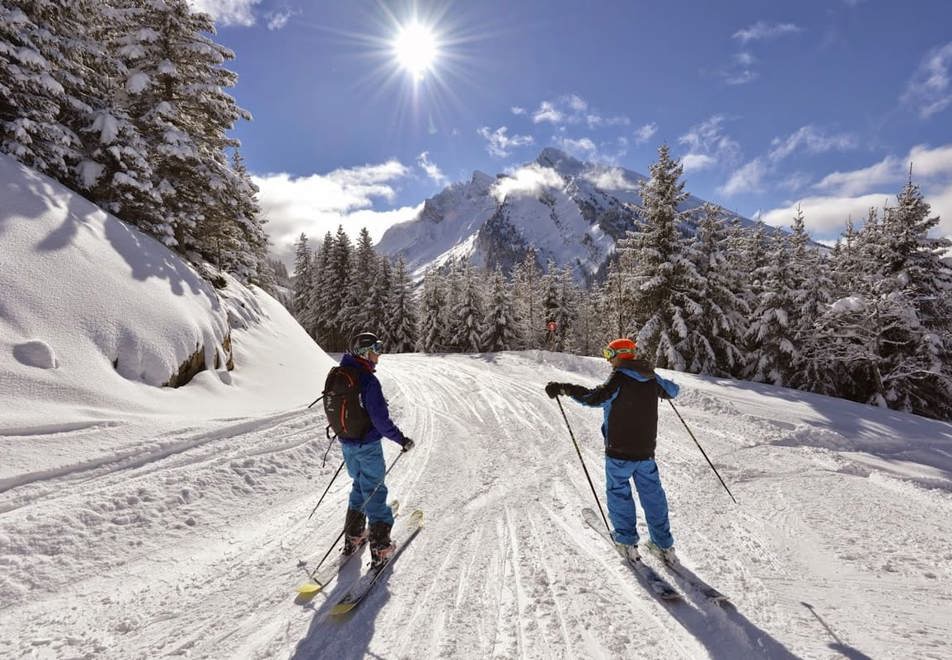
415 48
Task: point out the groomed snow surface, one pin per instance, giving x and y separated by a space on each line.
187 543
145 522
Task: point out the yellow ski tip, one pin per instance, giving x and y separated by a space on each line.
342 608
309 589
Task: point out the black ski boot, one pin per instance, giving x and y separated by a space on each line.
381 547
355 532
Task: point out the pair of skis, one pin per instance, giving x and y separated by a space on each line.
652 579
360 589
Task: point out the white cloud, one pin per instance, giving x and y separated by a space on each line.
612 178
709 139
930 91
740 71
278 19
854 182
747 179
516 110
580 148
761 31
316 204
432 171
697 162
826 216
645 133
500 144
573 109
811 140
227 12
528 181
927 165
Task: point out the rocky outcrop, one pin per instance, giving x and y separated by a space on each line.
196 363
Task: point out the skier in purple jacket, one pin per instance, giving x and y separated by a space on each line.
364 457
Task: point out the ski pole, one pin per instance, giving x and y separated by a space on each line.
579 452
323 394
362 507
326 489
702 450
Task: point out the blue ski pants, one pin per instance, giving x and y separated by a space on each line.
621 504
366 467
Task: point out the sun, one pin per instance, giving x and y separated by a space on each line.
416 49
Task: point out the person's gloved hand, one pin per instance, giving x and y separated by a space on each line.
407 444
554 389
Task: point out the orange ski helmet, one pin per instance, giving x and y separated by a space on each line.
623 349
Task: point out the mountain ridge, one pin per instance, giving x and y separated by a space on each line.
569 211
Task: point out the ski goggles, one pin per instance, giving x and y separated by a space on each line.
611 353
376 347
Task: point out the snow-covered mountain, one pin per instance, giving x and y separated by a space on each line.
570 211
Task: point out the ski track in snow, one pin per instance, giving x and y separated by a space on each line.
186 542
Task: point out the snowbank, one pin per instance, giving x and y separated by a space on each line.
95 316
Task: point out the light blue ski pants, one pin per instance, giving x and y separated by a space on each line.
621 504
366 467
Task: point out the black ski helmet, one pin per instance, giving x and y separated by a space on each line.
363 342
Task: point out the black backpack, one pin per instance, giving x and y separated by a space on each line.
345 414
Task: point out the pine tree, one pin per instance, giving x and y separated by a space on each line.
433 314
179 103
812 290
771 332
500 330
303 280
358 315
322 314
466 318
401 312
526 296
42 43
665 281
381 289
717 331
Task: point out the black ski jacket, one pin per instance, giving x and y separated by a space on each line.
629 399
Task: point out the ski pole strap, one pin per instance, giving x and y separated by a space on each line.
579 452
362 507
326 489
688 429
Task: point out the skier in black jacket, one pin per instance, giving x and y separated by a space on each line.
630 400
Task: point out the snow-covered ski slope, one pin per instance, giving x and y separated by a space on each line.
841 544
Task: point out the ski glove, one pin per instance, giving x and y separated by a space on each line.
554 389
407 445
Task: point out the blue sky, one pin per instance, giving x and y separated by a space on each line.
769 104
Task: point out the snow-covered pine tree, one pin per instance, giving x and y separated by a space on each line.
378 320
466 317
116 170
357 313
665 281
433 314
812 289
526 297
401 312
179 103
321 317
717 331
500 327
770 333
39 76
250 263
586 336
917 376
336 289
303 280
